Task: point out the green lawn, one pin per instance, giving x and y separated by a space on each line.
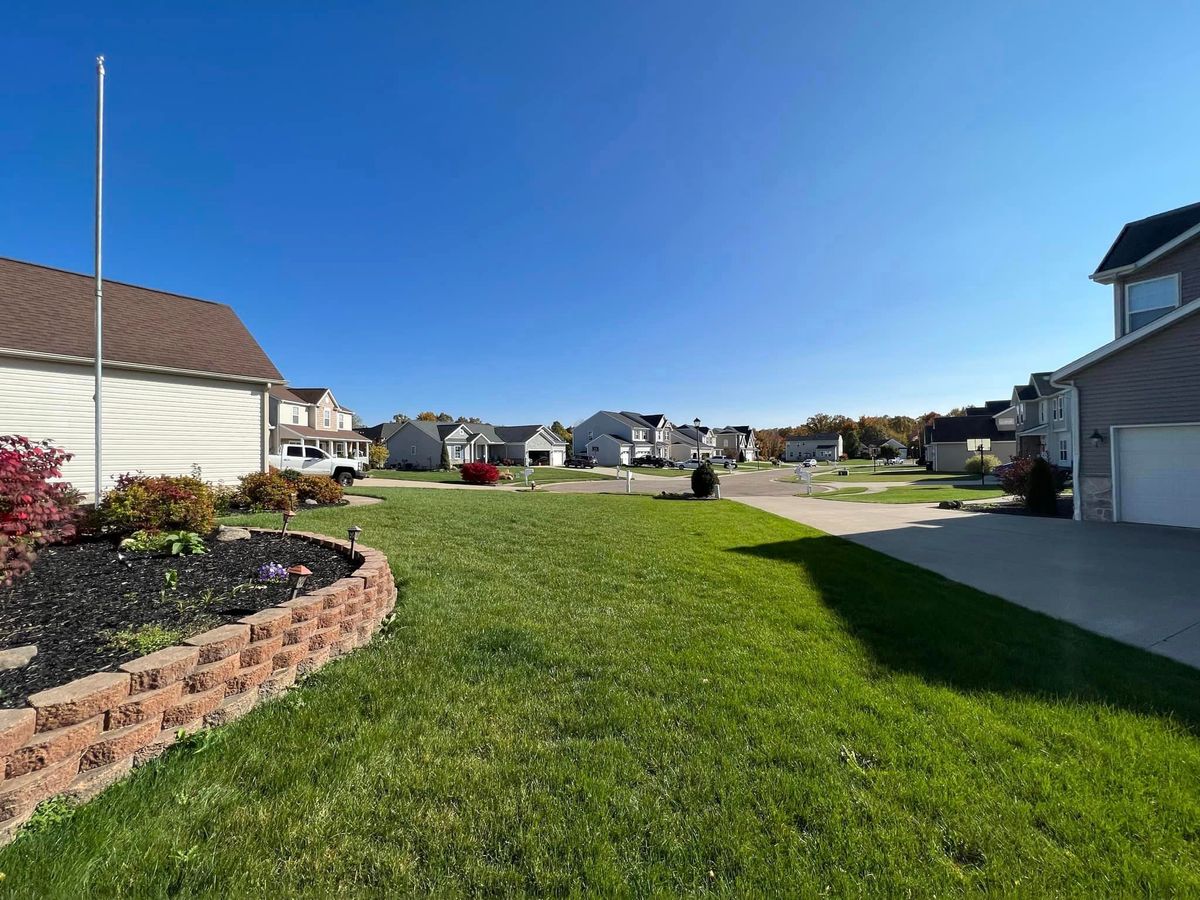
622 696
544 475
915 494
651 470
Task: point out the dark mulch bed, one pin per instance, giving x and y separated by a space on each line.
1064 509
77 596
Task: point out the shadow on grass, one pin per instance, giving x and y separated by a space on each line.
915 621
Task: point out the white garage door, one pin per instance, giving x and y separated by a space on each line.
558 457
1158 475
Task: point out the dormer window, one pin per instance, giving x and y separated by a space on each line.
1146 301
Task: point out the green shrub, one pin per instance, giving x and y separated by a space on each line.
144 639
266 490
1041 490
704 480
157 503
987 463
319 488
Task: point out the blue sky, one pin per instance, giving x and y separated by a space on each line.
743 212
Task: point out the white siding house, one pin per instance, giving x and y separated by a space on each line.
185 385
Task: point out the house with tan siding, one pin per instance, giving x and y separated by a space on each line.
313 417
185 385
1135 402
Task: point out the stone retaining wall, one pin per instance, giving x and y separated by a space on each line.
81 737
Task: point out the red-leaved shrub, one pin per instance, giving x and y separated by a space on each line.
34 511
480 473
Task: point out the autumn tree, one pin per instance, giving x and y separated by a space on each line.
561 430
427 416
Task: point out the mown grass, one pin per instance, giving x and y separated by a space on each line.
914 494
610 695
542 475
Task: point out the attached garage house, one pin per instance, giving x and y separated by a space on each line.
1137 407
186 386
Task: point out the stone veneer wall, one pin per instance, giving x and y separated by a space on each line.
81 737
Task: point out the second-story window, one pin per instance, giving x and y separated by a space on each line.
1056 408
1146 301
295 415
326 417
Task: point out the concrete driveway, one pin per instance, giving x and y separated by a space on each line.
1134 583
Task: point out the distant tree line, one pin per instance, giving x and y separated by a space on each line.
856 433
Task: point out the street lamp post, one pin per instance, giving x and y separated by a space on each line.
696 425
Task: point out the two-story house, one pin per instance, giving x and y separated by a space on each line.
824 446
313 417
1039 414
617 438
1135 402
737 442
694 442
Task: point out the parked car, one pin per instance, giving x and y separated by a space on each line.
654 462
726 461
581 462
315 461
809 463
693 463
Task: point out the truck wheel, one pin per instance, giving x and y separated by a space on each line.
345 478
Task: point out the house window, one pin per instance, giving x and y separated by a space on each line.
295 415
458 451
412 451
326 419
341 422
1146 301
1056 407
1062 451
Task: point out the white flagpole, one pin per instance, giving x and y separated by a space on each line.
99 281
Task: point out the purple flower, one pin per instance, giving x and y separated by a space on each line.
271 573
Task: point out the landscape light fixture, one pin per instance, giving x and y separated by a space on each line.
288 515
297 575
1096 438
353 532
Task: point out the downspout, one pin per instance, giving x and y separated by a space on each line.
1076 449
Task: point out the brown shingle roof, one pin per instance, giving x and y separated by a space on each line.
51 311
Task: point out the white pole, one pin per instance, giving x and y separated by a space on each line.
99 281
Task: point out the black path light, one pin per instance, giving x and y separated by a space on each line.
297 575
353 532
288 515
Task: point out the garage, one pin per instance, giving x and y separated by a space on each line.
552 457
1157 470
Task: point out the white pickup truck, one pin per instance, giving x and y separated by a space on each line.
315 461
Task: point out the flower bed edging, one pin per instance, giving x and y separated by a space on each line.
79 738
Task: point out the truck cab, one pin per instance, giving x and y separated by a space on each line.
315 461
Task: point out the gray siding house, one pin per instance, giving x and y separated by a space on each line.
827 446
949 441
419 445
737 442
615 438
1136 400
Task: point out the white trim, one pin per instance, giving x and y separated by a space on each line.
1181 312
1125 329
136 367
1109 275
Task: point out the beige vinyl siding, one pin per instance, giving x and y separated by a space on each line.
154 423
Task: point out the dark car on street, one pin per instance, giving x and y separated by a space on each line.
581 462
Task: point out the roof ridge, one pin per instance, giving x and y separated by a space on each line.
1168 212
